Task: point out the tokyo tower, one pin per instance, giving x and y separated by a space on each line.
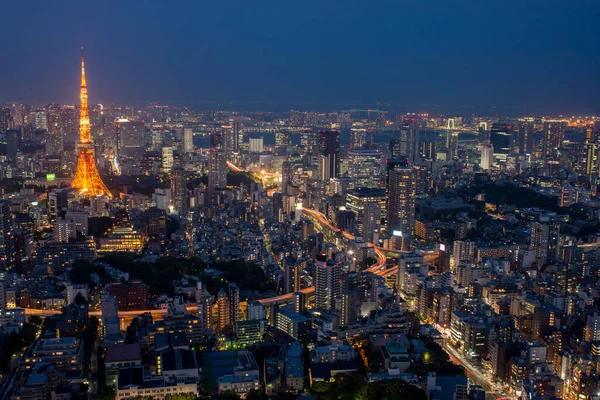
86 179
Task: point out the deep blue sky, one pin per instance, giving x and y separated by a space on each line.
540 54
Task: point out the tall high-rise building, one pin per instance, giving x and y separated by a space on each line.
309 142
287 174
41 119
357 138
87 179
13 143
234 303
409 142
217 169
487 156
589 134
256 145
329 151
178 190
544 241
232 137
167 159
292 270
394 149
348 305
328 284
283 139
591 160
130 138
463 250
7 237
223 311
17 113
364 168
238 132
299 302
525 135
501 139
371 221
592 328
554 134
401 200
188 140
5 119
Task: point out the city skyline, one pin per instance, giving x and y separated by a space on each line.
445 61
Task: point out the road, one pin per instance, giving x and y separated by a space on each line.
476 376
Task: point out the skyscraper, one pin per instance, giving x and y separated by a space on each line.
365 168
409 142
87 179
348 305
401 200
238 132
554 133
130 138
371 221
178 189
188 140
487 156
167 159
287 173
234 303
329 151
357 138
217 169
591 161
223 311
328 283
544 242
5 119
7 237
525 136
501 139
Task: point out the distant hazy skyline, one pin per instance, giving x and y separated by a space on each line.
521 56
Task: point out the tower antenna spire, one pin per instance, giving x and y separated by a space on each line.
86 179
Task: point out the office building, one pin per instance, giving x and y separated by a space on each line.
329 154
592 328
287 175
487 156
188 140
401 200
348 308
294 324
131 296
223 311
371 222
217 169
364 168
501 140
554 134
234 303
328 283
167 159
130 138
463 251
544 242
525 136
256 145
7 237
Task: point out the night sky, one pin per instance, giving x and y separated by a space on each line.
448 56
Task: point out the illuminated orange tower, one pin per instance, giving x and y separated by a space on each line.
86 179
